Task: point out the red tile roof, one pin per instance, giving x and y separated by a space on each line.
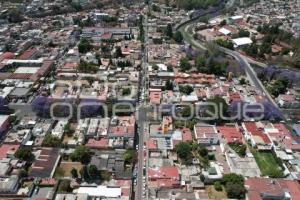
102 143
255 131
28 54
48 181
6 55
284 137
186 134
164 172
201 93
5 148
44 163
194 78
151 144
257 186
204 130
231 134
124 128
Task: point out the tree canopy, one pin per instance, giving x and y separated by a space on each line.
169 31
225 43
183 150
129 155
186 89
24 154
279 86
81 154
178 37
86 67
196 4
51 141
220 108
84 45
234 186
184 64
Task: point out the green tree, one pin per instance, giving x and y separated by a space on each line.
218 186
186 111
23 173
84 173
223 22
76 6
220 108
203 151
178 37
126 91
84 45
119 53
240 149
74 173
265 48
98 57
67 128
251 50
87 67
225 43
243 81
244 33
141 35
232 178
155 67
15 16
186 89
129 155
202 177
201 64
81 154
184 64
169 31
93 172
279 86
64 186
51 141
183 150
170 68
169 85
156 8
24 154
12 119
235 191
105 175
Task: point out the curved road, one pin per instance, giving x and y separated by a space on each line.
242 60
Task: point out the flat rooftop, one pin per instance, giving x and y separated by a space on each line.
27 70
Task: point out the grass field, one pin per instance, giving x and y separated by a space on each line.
267 164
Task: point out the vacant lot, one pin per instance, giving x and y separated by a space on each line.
213 194
267 164
64 169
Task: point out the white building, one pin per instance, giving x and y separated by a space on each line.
101 192
239 42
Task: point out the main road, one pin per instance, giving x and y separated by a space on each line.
142 118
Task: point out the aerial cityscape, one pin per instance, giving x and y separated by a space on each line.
150 99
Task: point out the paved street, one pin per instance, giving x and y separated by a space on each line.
142 118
